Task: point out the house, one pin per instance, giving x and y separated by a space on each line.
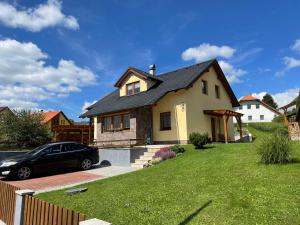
255 110
166 108
55 118
4 109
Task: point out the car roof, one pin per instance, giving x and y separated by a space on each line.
63 142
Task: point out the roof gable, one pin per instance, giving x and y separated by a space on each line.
139 73
47 116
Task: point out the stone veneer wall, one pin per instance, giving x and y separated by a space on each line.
294 131
140 127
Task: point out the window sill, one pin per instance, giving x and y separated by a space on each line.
116 130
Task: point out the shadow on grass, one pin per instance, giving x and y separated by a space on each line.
194 214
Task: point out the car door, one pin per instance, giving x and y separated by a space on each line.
69 155
49 160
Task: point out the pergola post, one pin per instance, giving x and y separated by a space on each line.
286 122
225 119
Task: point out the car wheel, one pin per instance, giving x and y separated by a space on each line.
24 173
86 164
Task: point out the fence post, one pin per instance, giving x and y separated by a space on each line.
20 202
94 222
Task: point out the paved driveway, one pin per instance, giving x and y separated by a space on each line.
65 180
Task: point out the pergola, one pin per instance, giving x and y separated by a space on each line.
226 114
286 113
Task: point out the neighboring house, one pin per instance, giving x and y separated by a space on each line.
255 110
52 118
5 109
146 108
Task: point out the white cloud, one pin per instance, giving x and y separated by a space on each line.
281 98
289 63
233 75
26 79
296 46
86 105
35 19
207 51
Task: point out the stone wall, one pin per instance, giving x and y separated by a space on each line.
294 131
140 128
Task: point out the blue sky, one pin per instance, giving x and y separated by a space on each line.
62 55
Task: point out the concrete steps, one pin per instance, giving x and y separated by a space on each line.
145 158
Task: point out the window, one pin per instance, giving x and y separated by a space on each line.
204 87
136 87
107 123
53 149
240 107
248 106
72 147
129 89
116 123
257 106
217 91
262 117
165 121
133 88
249 118
126 121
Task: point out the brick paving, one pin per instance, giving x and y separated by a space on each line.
53 181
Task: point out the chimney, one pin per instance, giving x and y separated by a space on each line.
152 69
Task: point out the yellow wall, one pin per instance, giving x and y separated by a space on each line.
63 120
131 79
192 118
175 103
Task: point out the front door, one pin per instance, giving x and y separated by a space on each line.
213 129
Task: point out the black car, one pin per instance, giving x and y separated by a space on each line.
50 157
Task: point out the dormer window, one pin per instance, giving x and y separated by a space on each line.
133 88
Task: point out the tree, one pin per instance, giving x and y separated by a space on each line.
23 129
268 99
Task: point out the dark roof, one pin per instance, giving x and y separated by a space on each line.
298 108
171 81
3 108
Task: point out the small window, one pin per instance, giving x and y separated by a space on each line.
248 106
165 121
249 118
240 107
107 123
217 91
136 87
53 149
262 117
204 87
126 121
257 106
129 89
117 122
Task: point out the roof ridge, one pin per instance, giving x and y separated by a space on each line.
186 67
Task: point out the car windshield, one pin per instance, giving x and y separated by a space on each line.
36 150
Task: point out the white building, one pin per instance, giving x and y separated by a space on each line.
255 110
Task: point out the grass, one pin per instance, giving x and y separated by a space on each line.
224 184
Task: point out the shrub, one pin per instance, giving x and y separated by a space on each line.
177 149
165 153
276 148
199 140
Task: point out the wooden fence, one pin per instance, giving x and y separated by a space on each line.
38 212
7 202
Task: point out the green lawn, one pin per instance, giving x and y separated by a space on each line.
224 184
